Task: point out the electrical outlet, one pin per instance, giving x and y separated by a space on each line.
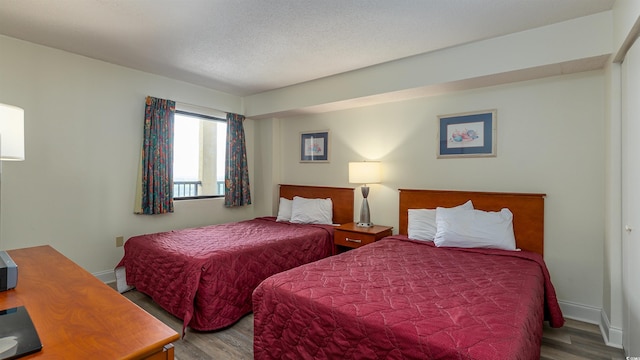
119 241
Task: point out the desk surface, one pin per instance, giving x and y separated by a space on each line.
76 315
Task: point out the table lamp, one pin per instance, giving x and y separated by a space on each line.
364 172
11 149
11 133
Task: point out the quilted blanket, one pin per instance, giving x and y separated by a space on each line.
206 275
403 299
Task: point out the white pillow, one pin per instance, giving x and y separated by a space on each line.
422 222
311 211
284 210
475 229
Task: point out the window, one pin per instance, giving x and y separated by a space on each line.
198 155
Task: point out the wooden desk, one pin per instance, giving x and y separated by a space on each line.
79 317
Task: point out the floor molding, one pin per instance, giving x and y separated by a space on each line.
107 276
612 336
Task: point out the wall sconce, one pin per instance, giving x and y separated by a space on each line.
11 149
364 172
11 133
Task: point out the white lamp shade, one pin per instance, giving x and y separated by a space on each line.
364 172
11 133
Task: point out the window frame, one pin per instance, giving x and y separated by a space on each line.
206 117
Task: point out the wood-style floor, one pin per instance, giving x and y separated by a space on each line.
574 341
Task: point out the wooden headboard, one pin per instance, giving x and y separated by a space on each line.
342 198
527 209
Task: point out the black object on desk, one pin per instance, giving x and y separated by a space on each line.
18 336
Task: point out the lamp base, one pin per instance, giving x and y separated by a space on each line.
365 218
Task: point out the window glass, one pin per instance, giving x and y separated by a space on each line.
198 155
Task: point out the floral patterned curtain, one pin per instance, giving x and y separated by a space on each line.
156 178
236 182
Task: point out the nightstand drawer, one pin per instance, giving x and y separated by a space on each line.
353 240
351 236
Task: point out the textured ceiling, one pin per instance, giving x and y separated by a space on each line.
244 47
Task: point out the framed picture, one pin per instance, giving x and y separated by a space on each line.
471 134
314 146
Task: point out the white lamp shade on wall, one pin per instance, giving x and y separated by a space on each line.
11 133
364 172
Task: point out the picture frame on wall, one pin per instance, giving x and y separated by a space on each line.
470 134
314 146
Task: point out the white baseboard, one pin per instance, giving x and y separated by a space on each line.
107 276
612 336
580 312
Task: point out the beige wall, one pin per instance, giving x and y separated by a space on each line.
83 134
550 140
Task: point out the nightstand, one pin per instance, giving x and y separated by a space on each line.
351 236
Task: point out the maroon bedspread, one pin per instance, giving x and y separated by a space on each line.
206 275
400 299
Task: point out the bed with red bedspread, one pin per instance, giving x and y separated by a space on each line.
404 299
205 276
